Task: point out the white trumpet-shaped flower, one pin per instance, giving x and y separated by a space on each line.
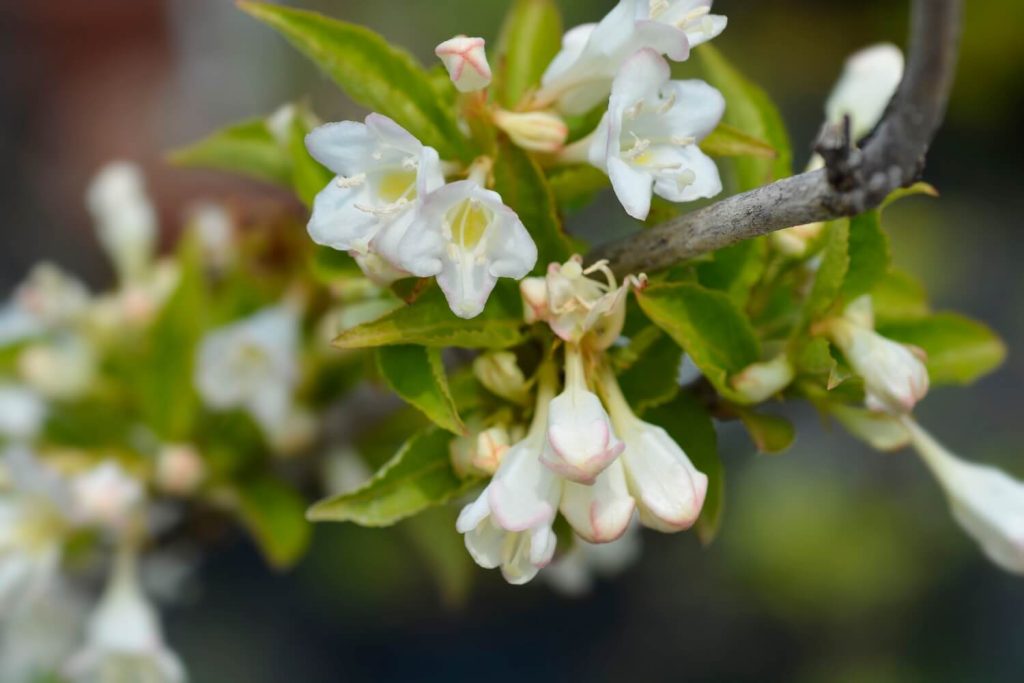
580 75
465 236
124 639
466 62
668 489
580 435
125 218
647 141
252 364
894 374
383 172
986 502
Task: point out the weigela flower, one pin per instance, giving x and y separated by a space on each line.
985 501
760 381
466 61
22 412
125 218
693 17
106 495
894 374
465 236
580 309
580 75
537 131
668 489
599 512
253 364
869 80
125 641
480 453
383 172
580 436
501 375
647 141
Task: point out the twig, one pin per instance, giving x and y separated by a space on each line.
854 180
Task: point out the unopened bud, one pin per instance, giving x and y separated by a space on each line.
466 61
481 453
500 373
535 298
760 381
536 131
180 469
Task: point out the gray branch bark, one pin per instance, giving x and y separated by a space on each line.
853 181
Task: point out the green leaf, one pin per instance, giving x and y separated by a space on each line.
898 297
689 425
735 269
815 357
652 379
330 265
729 141
868 249
575 186
274 514
417 375
428 321
530 38
708 325
418 477
770 433
371 71
831 274
246 148
524 189
917 188
960 350
308 176
749 110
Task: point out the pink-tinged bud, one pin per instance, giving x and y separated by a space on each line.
536 131
535 299
759 381
600 512
466 61
179 469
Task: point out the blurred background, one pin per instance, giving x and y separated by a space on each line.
834 564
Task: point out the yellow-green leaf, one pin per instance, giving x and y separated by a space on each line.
417 375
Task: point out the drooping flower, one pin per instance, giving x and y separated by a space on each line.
894 374
466 62
125 640
125 218
668 489
599 512
465 236
986 502
647 141
253 364
580 437
580 75
383 172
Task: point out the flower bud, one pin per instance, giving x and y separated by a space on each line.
179 469
760 381
466 61
500 373
535 299
536 131
125 218
480 453
869 79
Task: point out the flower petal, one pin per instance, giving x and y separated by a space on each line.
668 489
632 187
599 513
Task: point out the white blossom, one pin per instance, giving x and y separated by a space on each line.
581 440
107 495
869 80
466 62
760 381
647 141
49 299
574 572
500 374
669 491
125 218
986 502
253 364
125 640
383 172
465 236
22 412
599 512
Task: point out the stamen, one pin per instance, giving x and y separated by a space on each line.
385 209
410 162
658 6
640 146
634 110
692 15
667 104
350 182
683 140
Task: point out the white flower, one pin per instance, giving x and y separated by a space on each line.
647 141
580 436
574 572
537 131
869 80
985 501
253 364
579 309
466 61
34 519
22 412
500 373
63 369
50 298
692 16
383 172
895 377
760 381
468 238
39 635
125 640
106 495
179 469
599 512
125 218
580 75
480 452
669 491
